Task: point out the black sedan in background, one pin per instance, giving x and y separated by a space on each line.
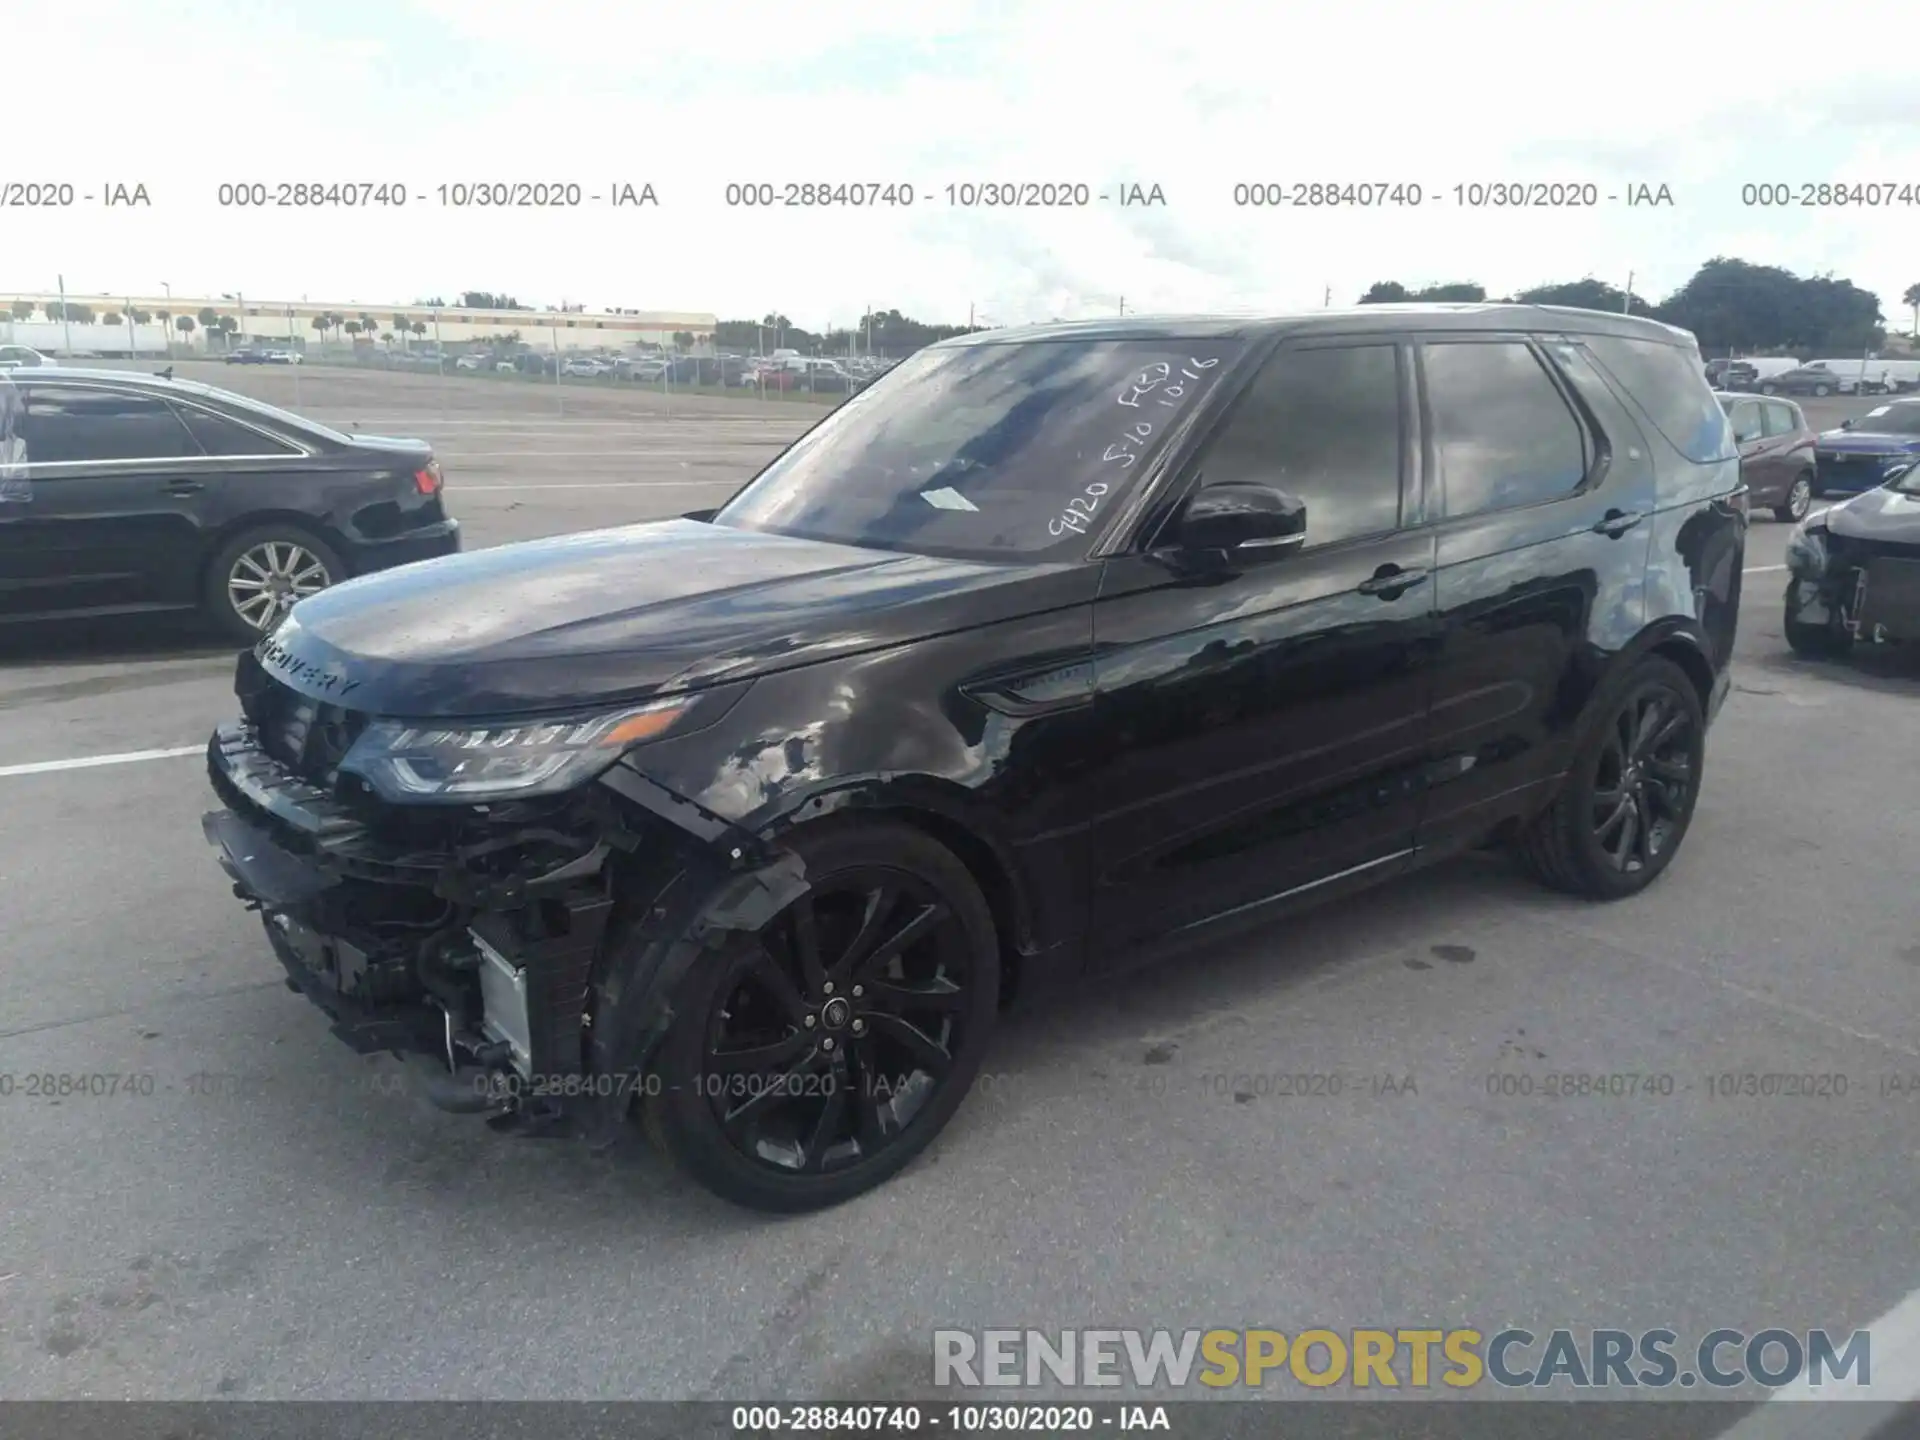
122 493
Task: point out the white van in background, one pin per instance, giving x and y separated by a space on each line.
1879 375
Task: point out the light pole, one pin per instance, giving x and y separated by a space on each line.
240 303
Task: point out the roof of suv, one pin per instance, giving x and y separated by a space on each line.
1356 319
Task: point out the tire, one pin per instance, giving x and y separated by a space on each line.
244 558
1799 499
1821 391
1623 752
1818 642
813 1130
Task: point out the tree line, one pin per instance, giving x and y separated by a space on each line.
1731 306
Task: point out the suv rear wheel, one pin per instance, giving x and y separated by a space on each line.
1626 804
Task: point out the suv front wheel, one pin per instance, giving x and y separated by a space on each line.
811 1061
1625 805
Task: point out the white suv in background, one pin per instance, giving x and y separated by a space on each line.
23 357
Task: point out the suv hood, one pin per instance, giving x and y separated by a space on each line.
609 616
1883 515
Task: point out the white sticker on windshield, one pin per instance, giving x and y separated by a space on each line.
947 498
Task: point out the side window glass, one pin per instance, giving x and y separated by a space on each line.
64 424
1324 426
1779 419
217 435
1665 381
1503 434
1746 422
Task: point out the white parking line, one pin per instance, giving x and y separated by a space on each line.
126 757
1761 569
1895 1381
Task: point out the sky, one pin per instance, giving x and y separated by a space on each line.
1192 96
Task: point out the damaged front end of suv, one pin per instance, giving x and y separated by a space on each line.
448 891
1854 571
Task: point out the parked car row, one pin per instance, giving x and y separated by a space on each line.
1784 375
256 355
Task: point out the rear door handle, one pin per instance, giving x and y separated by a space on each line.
184 487
1391 584
1616 523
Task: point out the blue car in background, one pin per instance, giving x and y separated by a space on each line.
1858 455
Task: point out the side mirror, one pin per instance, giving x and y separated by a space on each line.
1242 516
703 516
1846 424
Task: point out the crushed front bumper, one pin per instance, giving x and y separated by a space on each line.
481 968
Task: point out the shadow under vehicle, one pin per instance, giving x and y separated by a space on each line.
1053 651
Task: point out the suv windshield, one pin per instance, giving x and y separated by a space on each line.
986 451
1891 420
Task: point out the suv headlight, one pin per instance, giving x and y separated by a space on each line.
424 760
1807 551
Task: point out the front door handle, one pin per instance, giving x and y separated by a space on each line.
184 487
1390 582
1616 523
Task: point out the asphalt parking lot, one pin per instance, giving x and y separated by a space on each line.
261 1215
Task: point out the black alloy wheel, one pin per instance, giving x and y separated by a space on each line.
814 1059
1643 786
1799 499
1626 805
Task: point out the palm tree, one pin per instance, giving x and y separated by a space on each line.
23 309
185 326
320 322
141 317
1912 298
352 327
419 327
110 317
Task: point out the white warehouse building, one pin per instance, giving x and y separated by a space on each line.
292 322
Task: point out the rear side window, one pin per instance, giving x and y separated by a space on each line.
72 424
218 436
1665 381
1503 433
1780 419
1745 421
1324 426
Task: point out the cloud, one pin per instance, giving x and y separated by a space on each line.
1196 97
